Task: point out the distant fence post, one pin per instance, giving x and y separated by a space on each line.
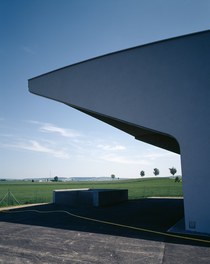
10 198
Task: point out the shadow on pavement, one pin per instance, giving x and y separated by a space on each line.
152 214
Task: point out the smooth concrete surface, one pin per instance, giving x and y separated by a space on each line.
160 94
89 197
55 237
179 228
106 197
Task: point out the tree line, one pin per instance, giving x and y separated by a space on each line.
156 171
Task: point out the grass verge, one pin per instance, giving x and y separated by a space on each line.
26 192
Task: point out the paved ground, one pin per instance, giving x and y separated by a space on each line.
57 237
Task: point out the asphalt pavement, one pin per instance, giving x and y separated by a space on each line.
131 232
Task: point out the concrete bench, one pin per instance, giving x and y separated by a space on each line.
89 197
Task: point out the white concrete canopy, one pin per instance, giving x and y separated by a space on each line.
160 94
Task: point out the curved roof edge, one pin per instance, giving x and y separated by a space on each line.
123 50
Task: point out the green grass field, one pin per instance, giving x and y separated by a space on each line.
26 192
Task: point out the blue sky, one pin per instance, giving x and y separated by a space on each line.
42 138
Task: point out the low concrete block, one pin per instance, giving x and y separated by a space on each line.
89 197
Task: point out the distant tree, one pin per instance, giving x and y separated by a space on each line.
156 172
177 179
142 173
32 180
113 176
56 178
173 171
